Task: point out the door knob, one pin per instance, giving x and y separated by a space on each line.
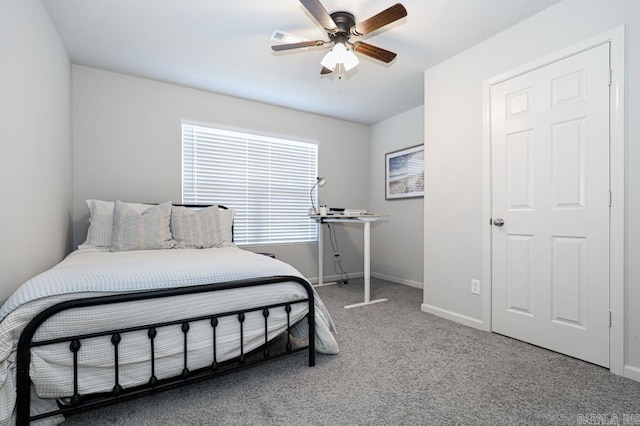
498 221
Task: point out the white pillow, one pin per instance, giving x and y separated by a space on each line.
101 222
148 230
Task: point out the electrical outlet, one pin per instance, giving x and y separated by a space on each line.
475 286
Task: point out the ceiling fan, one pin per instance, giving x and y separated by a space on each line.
340 27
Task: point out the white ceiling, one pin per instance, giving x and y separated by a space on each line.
224 47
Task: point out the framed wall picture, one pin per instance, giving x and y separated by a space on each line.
404 173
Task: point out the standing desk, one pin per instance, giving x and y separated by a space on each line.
364 220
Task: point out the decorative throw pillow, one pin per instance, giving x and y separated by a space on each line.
148 230
101 222
196 228
226 226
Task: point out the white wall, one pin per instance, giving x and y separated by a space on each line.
127 145
35 143
397 247
453 135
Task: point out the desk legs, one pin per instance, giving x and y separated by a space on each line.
367 270
320 255
321 259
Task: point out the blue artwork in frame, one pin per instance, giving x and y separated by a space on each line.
404 173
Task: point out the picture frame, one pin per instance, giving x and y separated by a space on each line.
404 173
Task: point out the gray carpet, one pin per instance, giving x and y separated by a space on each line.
397 366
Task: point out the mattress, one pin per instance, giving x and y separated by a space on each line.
94 272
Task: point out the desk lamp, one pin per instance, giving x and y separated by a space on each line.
319 182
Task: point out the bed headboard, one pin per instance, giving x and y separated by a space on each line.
201 206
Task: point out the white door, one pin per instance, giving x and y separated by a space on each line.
550 188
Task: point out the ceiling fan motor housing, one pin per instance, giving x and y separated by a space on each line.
344 21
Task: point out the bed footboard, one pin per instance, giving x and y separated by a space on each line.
79 402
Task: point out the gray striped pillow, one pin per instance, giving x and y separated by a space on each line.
149 230
101 222
196 228
226 226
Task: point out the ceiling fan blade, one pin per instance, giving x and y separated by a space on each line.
373 51
326 70
383 18
289 46
317 10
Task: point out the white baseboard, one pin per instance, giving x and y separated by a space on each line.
453 316
409 283
632 373
330 278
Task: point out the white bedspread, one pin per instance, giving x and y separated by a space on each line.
89 273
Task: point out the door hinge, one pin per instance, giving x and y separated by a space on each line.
610 77
609 319
610 197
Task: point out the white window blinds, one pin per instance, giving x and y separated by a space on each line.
265 180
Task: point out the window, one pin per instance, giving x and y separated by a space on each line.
266 180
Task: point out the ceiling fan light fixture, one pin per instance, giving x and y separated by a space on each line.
340 55
329 61
350 60
340 27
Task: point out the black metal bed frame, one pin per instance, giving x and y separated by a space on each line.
77 402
